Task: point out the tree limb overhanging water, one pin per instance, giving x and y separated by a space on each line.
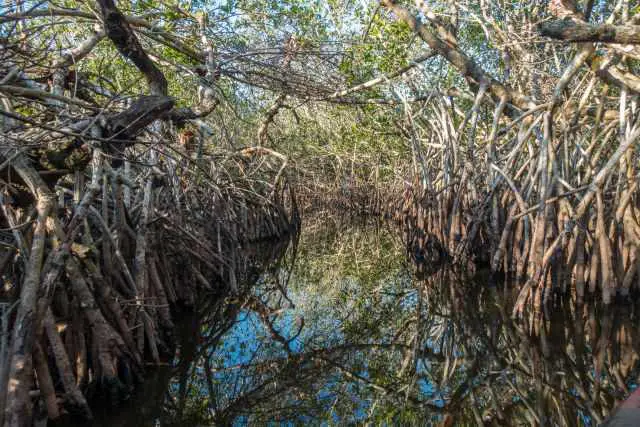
147 146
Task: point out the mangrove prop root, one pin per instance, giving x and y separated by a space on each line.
96 301
556 218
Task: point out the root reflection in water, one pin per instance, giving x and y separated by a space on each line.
341 329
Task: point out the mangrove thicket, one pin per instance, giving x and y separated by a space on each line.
147 146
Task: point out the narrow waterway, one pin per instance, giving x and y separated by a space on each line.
339 329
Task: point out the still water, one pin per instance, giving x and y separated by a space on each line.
338 328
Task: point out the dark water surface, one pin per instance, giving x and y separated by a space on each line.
341 330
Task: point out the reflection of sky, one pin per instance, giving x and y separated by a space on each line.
245 339
363 309
249 340
242 340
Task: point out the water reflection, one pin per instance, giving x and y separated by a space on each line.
340 329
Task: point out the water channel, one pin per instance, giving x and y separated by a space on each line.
339 329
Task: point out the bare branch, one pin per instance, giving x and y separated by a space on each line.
463 63
574 31
119 31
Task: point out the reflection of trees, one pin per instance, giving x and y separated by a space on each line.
570 373
389 348
178 393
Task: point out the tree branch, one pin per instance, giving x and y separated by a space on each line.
444 44
377 80
575 31
119 31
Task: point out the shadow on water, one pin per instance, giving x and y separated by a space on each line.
343 326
